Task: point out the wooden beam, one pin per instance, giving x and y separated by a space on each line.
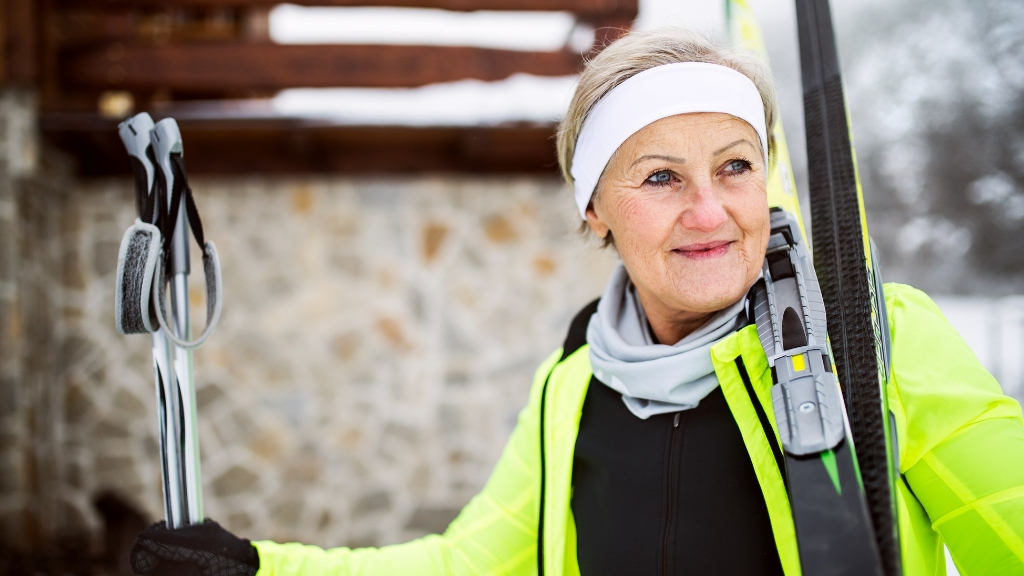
583 7
20 23
216 67
277 146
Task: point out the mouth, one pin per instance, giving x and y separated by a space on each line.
704 250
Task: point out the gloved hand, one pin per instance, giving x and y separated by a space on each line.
200 550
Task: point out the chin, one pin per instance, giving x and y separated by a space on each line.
711 295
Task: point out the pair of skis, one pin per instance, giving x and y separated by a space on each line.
155 253
842 498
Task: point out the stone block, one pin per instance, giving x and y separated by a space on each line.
498 229
150 444
75 348
7 252
107 430
238 522
118 472
545 265
303 469
207 395
431 520
109 462
266 445
374 502
344 346
287 513
245 426
9 440
78 406
127 403
324 522
72 275
398 442
393 333
11 328
104 258
10 478
235 480
73 475
450 420
433 237
8 396
364 540
302 200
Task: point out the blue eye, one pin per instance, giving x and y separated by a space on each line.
738 165
660 178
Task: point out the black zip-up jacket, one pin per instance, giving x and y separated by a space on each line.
673 494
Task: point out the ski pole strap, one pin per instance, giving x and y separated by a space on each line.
141 292
214 289
181 191
137 260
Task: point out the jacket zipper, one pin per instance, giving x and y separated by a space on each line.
670 516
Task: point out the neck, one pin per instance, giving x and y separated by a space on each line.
670 326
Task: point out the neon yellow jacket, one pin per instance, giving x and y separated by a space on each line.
960 445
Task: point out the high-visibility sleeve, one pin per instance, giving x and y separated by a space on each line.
960 439
496 533
972 486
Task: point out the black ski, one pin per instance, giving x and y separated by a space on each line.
830 513
847 275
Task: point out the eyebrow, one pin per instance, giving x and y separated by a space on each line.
724 148
680 160
676 159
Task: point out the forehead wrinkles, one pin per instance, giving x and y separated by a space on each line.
691 132
683 147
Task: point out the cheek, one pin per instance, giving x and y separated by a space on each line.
639 222
752 217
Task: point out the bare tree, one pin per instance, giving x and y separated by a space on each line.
937 97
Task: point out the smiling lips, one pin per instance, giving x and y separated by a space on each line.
704 250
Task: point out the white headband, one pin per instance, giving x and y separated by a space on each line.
651 95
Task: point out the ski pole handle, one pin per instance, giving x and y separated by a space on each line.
134 133
166 139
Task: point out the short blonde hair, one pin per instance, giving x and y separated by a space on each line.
642 50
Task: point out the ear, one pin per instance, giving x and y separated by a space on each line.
596 223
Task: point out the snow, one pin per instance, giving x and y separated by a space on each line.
543 31
520 98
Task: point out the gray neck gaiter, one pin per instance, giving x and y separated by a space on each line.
653 378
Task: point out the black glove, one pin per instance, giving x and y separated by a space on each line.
200 550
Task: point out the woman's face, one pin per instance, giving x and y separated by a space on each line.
686 203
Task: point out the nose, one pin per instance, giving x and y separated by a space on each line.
705 212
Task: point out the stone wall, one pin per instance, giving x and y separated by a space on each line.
12 441
39 281
378 338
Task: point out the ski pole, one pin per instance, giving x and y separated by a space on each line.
153 254
135 134
168 152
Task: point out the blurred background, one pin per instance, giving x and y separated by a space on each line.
398 251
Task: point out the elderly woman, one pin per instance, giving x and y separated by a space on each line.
634 454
